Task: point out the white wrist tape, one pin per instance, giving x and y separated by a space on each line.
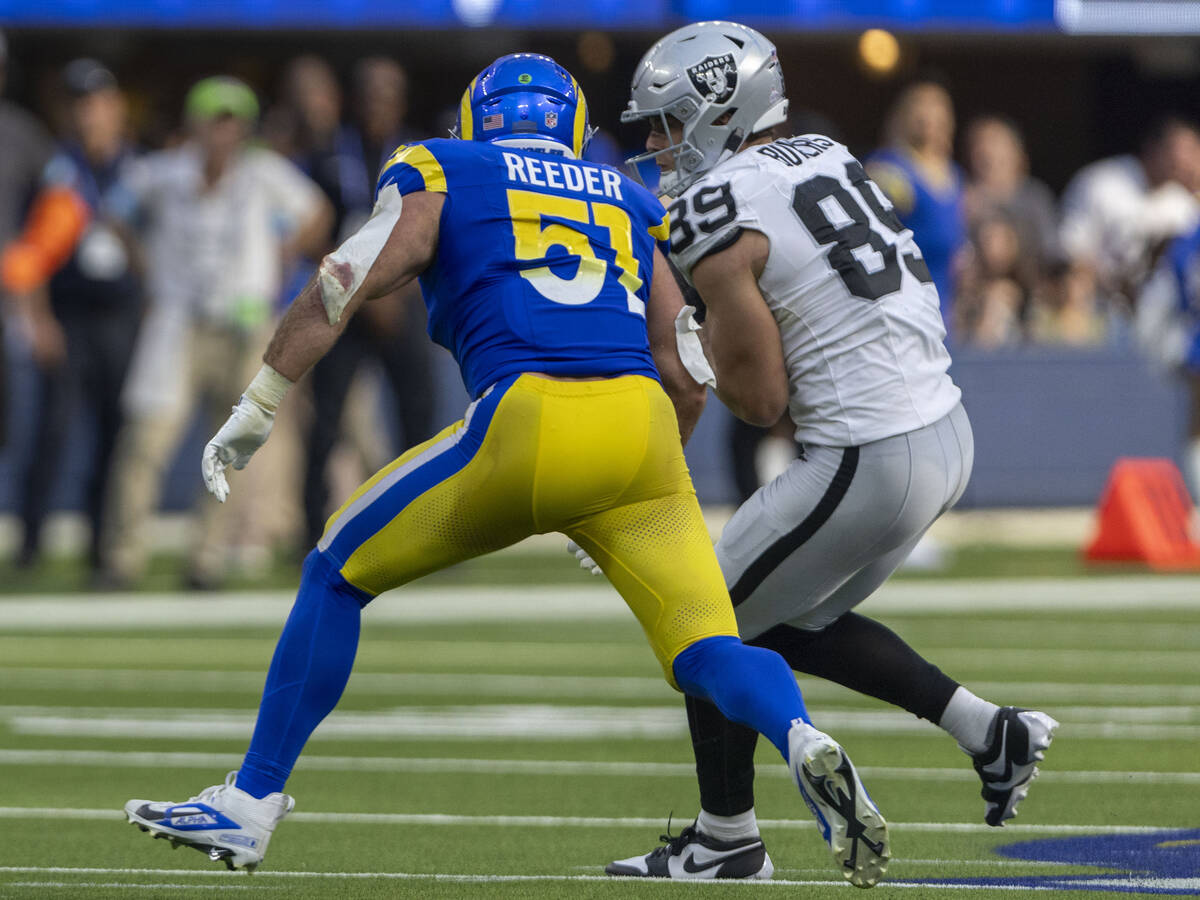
344 270
691 351
267 389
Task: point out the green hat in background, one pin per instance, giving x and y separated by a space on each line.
221 95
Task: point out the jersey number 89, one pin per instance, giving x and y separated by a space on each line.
864 259
533 238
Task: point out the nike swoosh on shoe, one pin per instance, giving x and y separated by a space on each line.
692 865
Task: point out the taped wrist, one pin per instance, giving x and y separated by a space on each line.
267 389
691 351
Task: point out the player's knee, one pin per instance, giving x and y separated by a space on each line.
320 570
714 665
767 666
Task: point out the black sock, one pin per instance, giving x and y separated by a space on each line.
865 656
856 652
724 759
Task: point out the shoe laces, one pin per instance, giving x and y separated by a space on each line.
210 793
673 844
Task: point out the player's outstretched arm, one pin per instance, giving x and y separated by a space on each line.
665 304
358 271
389 251
744 345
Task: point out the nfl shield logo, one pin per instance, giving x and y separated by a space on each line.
552 120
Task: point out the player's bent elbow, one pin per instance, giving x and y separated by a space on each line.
688 410
762 409
687 398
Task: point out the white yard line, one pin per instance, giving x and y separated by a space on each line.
454 820
1099 881
193 681
585 601
132 885
542 722
1074 692
374 683
110 759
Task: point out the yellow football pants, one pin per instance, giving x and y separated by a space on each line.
599 461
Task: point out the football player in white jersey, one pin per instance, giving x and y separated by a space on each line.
818 302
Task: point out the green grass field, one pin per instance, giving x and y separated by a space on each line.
503 742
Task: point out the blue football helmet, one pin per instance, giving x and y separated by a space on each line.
525 100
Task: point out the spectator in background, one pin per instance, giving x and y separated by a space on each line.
344 160
222 217
78 242
1118 213
1011 286
994 284
999 182
917 171
1167 326
26 148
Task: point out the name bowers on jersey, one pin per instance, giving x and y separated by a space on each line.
563 175
794 151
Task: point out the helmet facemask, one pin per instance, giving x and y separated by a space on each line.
722 83
689 161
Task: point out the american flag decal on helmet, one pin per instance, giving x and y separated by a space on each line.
494 121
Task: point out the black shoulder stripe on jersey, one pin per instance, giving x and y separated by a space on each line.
723 244
771 558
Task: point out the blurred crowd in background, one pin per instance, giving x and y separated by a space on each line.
142 274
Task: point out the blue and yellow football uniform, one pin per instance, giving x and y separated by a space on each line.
543 268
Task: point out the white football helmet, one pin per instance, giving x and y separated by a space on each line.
700 74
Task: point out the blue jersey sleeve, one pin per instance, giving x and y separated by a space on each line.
413 168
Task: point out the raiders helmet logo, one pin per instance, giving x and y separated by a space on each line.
715 78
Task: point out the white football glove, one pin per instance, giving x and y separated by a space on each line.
585 562
691 351
243 432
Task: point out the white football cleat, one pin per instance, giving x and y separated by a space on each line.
1018 742
850 822
694 856
222 821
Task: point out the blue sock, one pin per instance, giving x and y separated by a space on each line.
308 673
747 684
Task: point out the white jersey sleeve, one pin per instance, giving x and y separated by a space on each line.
711 215
857 311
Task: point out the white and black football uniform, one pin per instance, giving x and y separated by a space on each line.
886 444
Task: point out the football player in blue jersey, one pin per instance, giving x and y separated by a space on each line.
543 275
